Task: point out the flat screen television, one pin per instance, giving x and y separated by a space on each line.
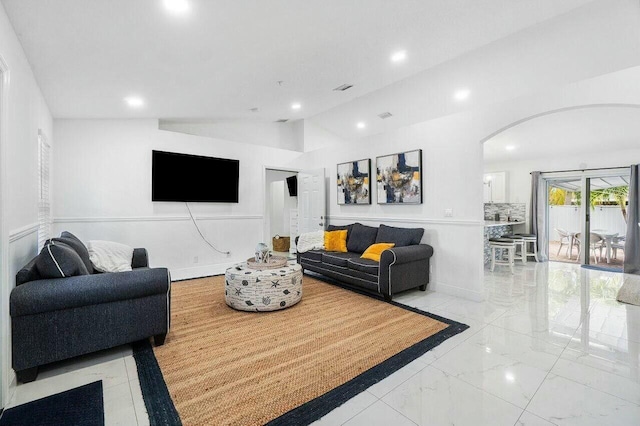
193 178
292 184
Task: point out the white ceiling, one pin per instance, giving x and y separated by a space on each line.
566 133
225 57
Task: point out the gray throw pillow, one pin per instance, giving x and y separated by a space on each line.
361 238
58 260
74 242
400 236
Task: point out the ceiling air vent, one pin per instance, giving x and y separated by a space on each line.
343 88
282 120
385 115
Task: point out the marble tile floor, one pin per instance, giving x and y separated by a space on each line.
548 345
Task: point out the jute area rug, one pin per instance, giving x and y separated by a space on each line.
226 367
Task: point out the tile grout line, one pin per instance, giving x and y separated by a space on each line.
357 413
549 372
399 412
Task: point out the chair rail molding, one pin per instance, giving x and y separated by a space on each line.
153 218
18 234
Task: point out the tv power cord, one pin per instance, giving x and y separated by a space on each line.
201 235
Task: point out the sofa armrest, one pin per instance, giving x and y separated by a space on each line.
65 293
400 255
140 258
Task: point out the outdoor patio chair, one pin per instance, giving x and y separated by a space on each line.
595 242
617 244
565 239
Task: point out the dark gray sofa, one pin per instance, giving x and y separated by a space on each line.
59 318
401 268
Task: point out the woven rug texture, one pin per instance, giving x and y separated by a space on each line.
227 367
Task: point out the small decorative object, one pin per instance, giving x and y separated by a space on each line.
354 182
262 253
399 178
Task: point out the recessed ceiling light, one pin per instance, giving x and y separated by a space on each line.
399 56
176 6
509 147
134 101
462 94
296 106
361 125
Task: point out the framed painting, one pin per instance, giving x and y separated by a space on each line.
354 182
399 178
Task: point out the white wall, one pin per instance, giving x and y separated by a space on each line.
26 112
276 135
102 190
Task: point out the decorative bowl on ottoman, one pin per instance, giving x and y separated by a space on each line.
259 290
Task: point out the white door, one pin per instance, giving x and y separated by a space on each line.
311 201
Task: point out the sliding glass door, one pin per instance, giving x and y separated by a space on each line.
586 216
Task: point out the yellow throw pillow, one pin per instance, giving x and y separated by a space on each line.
335 241
374 251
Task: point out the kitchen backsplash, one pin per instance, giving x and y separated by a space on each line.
516 211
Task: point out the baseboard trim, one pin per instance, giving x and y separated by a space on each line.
181 274
152 218
18 234
465 293
382 219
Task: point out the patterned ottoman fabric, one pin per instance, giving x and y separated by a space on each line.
248 289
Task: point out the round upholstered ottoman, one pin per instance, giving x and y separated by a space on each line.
248 289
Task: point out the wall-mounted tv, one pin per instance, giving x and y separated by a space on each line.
292 184
182 177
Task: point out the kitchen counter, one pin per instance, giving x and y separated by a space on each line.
488 223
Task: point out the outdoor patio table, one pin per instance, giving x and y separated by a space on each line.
608 237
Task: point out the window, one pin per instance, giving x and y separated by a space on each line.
44 201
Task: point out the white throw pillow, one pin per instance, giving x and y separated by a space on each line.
108 256
310 241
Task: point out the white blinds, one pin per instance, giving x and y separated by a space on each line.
44 200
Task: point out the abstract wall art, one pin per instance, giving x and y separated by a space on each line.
354 182
399 178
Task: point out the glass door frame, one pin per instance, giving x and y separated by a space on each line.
585 177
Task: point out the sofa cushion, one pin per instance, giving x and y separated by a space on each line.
312 256
374 251
74 242
336 241
58 260
364 265
338 259
401 237
362 236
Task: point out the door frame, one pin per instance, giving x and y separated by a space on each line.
581 175
5 352
265 206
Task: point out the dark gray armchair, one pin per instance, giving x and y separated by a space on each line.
56 319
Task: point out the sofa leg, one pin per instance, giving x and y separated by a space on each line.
387 297
27 375
158 339
423 287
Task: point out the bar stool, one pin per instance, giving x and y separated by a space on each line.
530 239
520 242
508 244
